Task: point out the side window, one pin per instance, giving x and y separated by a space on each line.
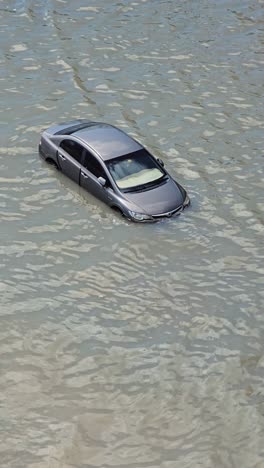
73 148
93 165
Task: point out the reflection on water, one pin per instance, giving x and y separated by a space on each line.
122 344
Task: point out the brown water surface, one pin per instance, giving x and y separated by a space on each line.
122 345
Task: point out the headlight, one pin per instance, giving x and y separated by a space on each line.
187 201
140 216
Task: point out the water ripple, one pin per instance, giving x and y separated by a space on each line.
122 344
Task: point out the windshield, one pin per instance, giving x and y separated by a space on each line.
134 170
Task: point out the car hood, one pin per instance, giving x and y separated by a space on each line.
163 198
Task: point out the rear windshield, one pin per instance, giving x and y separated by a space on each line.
135 170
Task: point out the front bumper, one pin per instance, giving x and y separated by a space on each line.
169 214
175 212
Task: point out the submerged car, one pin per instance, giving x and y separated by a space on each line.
115 168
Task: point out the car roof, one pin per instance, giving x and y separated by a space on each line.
107 141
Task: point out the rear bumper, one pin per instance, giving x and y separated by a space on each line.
41 152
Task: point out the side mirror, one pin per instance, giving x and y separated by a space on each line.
161 163
102 181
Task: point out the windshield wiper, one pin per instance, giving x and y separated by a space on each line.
137 188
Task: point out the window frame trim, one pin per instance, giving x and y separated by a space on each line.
86 147
66 152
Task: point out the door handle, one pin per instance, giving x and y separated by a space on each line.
84 175
62 157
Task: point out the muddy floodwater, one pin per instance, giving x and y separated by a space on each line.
126 345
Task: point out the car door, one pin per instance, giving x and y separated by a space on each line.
70 154
91 170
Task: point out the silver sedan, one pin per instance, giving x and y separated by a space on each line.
115 168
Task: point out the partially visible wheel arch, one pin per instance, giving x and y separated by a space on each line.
52 162
117 210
